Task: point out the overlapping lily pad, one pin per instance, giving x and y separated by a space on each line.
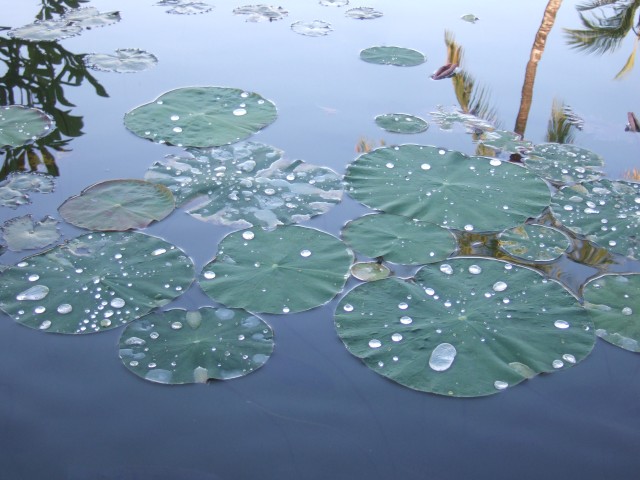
118 205
179 346
401 123
289 269
370 271
606 212
363 13
399 239
505 141
445 119
201 116
564 163
95 282
23 233
261 13
398 56
125 60
315 28
464 327
20 125
247 184
535 243
446 187
15 189
613 302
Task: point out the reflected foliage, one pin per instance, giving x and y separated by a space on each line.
50 8
561 128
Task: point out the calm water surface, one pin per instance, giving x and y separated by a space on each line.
68 408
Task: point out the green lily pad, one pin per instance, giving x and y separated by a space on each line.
289 269
261 13
534 243
201 116
401 123
470 17
398 56
15 189
22 125
179 346
606 212
22 233
125 60
564 163
505 141
248 184
118 205
95 282
363 13
315 28
613 302
370 271
445 119
464 327
446 187
398 239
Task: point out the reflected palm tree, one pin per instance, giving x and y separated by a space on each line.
561 127
57 7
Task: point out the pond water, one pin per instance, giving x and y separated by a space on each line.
68 408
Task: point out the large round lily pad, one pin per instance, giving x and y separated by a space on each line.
118 205
201 116
20 125
289 269
23 233
613 302
399 239
401 123
464 327
535 243
248 184
125 60
95 282
564 163
179 346
446 187
398 56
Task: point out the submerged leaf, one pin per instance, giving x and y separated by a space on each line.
401 123
363 13
261 13
21 125
534 243
469 17
564 163
398 56
505 141
125 60
15 188
186 7
370 271
22 233
445 119
316 28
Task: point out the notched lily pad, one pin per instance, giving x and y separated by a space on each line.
535 243
95 282
398 56
370 271
289 269
15 189
179 346
21 125
125 60
201 116
23 233
118 205
315 28
363 13
247 184
464 327
261 13
613 302
564 163
401 123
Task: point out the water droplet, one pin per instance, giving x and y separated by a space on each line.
64 309
500 385
105 322
557 364
34 277
176 325
154 335
348 307
37 292
209 275
248 235
238 112
562 324
403 306
45 325
442 357
117 302
475 269
177 129
159 251
499 287
375 343
133 363
285 310
117 256
425 166
442 152
567 357
396 337
429 291
406 320
627 311
446 269
389 165
305 253
468 228
494 162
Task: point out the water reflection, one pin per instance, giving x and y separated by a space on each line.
50 8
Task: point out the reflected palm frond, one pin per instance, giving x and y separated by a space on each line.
50 8
560 128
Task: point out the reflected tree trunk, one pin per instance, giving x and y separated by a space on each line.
539 43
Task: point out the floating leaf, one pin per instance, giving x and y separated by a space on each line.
613 302
606 212
370 271
564 163
464 328
261 13
179 346
248 184
289 269
316 28
505 141
126 60
21 125
15 188
201 116
22 233
446 187
334 3
398 56
187 7
95 282
45 31
401 123
363 13
534 243
118 205
90 17
398 239
446 118
469 17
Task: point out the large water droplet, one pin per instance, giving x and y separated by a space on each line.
425 166
348 307
442 357
177 129
567 357
159 251
375 343
627 311
403 306
396 337
45 325
475 269
406 320
500 385
446 268
305 253
34 277
64 308
176 325
557 364
562 324
238 112
175 118
209 275
499 287
117 302
248 235
37 292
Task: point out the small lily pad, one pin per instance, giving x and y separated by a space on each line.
261 13
94 282
505 141
398 56
15 189
535 243
363 13
186 7
564 163
21 125
445 119
289 269
370 271
22 233
125 60
469 17
45 31
613 302
201 116
334 3
401 123
118 205
316 28
179 346
90 17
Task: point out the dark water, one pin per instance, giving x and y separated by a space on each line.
68 408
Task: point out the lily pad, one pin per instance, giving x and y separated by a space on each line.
125 60
261 13
469 17
401 123
95 282
445 119
201 116
22 233
398 56
316 28
564 163
188 7
15 189
363 13
370 271
398 239
446 187
21 125
248 184
289 269
46 31
613 302
334 3
505 141
464 327
179 346
535 243
118 205
90 17
606 212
